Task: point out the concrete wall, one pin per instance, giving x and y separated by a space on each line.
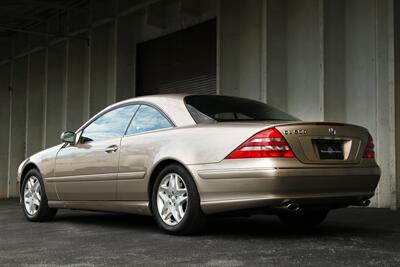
358 77
304 60
318 59
326 60
18 132
5 128
35 102
241 48
54 94
396 34
50 85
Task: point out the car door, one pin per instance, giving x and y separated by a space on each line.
138 148
88 170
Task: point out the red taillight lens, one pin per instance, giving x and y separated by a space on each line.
266 144
369 152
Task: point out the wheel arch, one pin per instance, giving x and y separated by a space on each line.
158 168
28 167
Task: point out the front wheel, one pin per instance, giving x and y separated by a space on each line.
34 199
176 202
303 219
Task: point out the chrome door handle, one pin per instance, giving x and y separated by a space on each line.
111 149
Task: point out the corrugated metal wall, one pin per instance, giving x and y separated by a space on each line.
181 62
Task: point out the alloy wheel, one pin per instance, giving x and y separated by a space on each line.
32 195
172 199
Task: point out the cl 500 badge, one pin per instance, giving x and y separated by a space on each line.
300 131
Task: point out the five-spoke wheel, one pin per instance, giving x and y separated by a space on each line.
176 202
34 199
32 195
172 199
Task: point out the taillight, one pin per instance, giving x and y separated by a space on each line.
369 152
266 144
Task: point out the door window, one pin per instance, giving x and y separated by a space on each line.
147 119
113 124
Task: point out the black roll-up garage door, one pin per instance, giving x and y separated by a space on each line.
181 62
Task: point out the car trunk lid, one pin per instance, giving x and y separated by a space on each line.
325 142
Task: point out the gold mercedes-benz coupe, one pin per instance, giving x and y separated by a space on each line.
181 158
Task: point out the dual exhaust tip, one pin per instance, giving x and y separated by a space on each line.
291 207
363 203
294 207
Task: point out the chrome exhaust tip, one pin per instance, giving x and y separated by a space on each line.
363 203
291 207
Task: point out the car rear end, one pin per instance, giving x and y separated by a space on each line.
290 164
297 163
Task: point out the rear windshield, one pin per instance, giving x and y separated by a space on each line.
215 108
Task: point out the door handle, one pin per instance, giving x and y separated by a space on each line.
111 149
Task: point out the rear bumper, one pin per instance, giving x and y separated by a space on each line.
236 188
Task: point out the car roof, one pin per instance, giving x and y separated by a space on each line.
164 96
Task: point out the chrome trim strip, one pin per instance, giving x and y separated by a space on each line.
287 172
266 139
265 148
237 173
130 175
83 178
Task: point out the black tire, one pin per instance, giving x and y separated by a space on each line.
44 213
303 219
194 220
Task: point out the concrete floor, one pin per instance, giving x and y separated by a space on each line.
356 237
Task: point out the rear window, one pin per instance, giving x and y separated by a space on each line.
215 108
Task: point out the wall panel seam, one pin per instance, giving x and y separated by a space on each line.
10 125
28 74
44 135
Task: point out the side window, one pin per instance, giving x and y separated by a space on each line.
147 119
113 124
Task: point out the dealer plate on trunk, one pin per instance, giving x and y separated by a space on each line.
330 149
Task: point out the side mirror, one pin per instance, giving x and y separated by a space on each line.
68 137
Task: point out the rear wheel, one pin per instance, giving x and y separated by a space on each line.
303 219
34 199
176 202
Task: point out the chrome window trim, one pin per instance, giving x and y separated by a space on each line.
157 109
139 103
